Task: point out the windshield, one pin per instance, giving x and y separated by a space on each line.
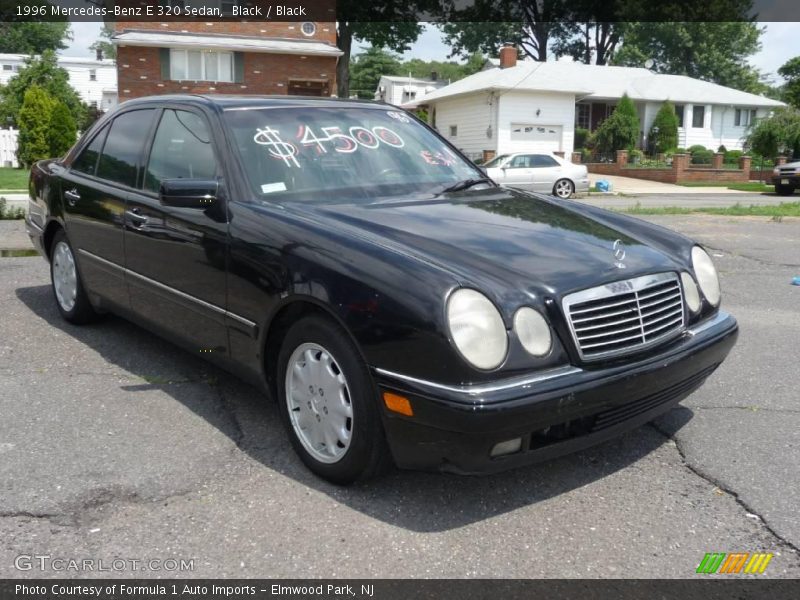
336 154
496 161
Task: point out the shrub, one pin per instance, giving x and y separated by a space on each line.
33 142
722 149
63 131
581 135
702 157
10 213
635 156
733 156
679 151
667 122
698 148
621 130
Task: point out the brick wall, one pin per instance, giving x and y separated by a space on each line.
139 74
680 172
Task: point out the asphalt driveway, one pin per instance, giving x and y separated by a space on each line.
117 445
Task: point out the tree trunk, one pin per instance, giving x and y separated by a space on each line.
344 41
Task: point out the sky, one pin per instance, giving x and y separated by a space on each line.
780 42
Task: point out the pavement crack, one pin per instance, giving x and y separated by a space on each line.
718 484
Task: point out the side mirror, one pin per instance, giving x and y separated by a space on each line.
189 193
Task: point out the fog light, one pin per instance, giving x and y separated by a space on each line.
507 447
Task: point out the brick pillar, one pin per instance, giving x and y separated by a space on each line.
680 163
717 160
488 155
622 158
559 153
577 157
744 164
780 160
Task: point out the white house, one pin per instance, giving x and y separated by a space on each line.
527 105
399 90
94 80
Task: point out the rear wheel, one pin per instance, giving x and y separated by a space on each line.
71 298
328 403
784 190
563 188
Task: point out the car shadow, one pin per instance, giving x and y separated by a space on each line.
422 502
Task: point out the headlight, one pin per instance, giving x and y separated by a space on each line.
690 292
477 328
533 331
706 275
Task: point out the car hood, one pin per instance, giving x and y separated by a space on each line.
504 236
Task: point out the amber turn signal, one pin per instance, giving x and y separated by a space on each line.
398 404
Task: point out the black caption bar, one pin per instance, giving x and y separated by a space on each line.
438 11
382 589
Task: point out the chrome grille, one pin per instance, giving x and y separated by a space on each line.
625 316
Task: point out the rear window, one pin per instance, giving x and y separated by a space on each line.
335 154
123 150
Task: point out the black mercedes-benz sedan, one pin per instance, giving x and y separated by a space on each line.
397 304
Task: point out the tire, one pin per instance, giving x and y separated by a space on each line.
563 188
784 190
65 280
336 447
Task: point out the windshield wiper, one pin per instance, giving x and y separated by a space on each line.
466 184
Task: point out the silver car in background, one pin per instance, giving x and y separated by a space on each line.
539 172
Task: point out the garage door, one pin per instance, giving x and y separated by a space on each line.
540 138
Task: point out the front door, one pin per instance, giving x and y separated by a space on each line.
519 172
94 190
176 257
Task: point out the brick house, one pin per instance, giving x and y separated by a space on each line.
226 57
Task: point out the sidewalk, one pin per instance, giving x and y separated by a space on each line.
629 185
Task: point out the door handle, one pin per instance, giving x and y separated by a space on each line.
72 196
136 217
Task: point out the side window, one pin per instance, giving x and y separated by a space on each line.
181 150
87 159
542 161
124 145
520 162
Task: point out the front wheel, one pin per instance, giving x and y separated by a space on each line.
784 190
328 403
563 188
71 298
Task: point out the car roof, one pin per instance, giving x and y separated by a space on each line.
228 101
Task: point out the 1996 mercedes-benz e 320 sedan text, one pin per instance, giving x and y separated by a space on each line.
399 306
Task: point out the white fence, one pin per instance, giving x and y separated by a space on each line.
8 148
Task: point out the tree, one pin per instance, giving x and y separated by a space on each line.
63 131
44 72
31 37
104 44
620 131
445 71
777 133
791 72
33 142
366 70
664 132
713 51
381 23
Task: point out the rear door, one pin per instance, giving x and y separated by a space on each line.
546 170
94 191
176 257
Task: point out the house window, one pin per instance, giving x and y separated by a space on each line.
92 74
7 68
582 112
201 65
744 117
453 130
679 114
308 28
698 116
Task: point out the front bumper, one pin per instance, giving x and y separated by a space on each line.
454 428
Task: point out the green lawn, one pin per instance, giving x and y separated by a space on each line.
784 209
750 186
13 179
